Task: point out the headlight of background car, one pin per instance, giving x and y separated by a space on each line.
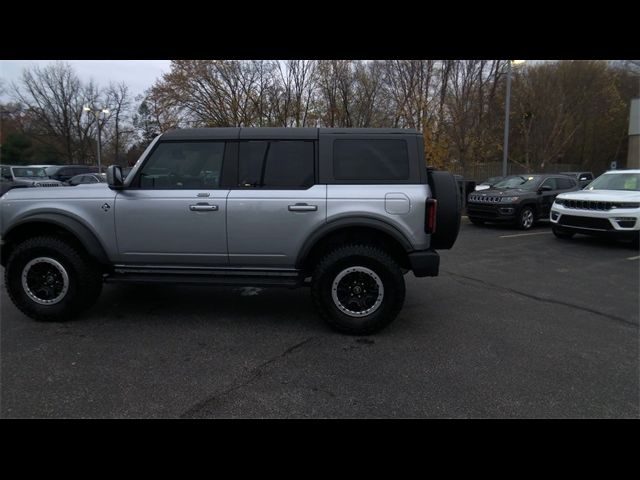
509 199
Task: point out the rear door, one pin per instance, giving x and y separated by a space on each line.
276 203
174 212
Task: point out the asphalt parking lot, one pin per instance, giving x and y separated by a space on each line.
517 325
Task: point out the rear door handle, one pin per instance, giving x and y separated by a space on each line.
303 207
203 207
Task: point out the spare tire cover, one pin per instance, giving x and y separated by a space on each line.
445 190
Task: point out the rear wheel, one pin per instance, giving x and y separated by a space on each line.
358 289
50 280
562 234
527 218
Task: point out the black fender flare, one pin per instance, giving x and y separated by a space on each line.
81 232
348 222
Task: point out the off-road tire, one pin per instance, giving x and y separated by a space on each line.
85 279
445 190
370 257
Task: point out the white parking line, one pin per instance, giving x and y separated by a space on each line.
523 234
633 258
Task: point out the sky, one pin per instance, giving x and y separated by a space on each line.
138 74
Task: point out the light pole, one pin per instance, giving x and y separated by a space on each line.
505 148
96 114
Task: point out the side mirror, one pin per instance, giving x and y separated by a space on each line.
545 188
114 177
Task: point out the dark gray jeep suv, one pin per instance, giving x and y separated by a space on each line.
520 200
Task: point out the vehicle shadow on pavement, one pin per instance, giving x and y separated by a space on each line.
507 227
602 242
216 304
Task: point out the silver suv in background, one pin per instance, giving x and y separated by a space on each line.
27 175
347 211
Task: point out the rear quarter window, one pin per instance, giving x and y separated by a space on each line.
370 159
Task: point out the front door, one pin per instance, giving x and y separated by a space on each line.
174 212
548 196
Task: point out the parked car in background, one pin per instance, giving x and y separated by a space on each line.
64 173
518 199
27 175
88 178
609 206
583 178
488 183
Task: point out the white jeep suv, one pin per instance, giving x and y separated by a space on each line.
610 205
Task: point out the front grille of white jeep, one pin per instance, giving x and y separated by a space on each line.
596 205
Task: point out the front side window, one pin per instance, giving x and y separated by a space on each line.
565 183
276 164
550 182
183 165
370 159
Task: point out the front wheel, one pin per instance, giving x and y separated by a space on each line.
358 289
526 219
50 280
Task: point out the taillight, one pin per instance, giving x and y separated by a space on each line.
432 208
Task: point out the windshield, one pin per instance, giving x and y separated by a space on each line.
29 172
490 180
526 182
616 181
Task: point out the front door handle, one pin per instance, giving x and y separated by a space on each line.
303 207
203 207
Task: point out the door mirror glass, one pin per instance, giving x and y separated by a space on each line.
114 177
545 188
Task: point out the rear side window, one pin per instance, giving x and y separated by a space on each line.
374 159
276 164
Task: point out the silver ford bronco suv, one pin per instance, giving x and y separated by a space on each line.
346 211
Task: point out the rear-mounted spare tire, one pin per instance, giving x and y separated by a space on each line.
445 190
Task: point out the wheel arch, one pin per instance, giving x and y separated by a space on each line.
53 223
354 230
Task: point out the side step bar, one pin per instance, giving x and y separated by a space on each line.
200 276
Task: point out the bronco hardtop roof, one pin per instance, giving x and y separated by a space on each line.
239 133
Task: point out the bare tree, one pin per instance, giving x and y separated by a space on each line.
54 97
120 135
